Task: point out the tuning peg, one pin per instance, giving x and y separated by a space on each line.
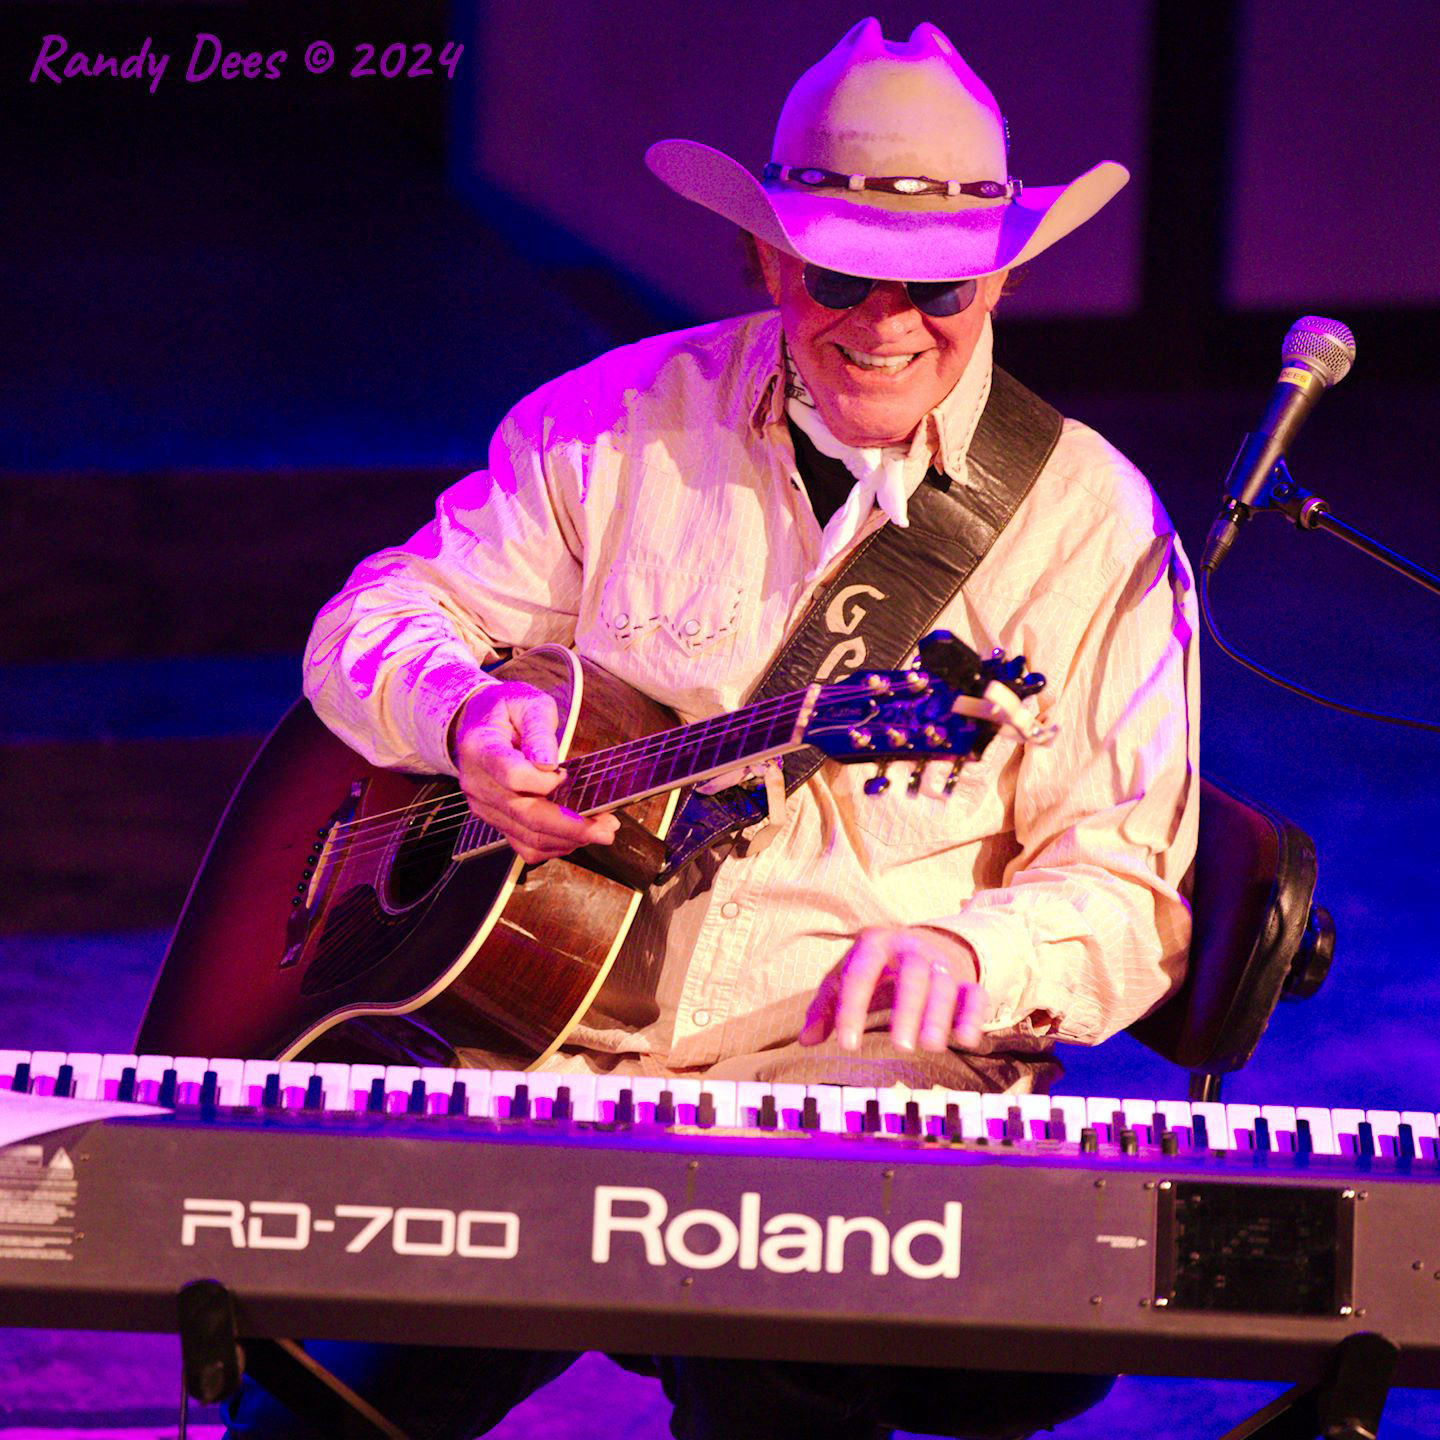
934 737
877 684
917 681
896 738
952 779
917 775
861 739
878 783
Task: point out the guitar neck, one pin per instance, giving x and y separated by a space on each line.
687 755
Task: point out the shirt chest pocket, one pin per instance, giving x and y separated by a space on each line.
682 612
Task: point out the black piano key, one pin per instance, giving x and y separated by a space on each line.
459 1100
1201 1131
21 1079
810 1114
705 1111
375 1101
870 1122
209 1090
625 1107
270 1096
1304 1142
65 1081
1169 1142
314 1094
562 1107
665 1108
1365 1140
953 1128
125 1090
769 1117
1405 1146
169 1082
1055 1127
1263 1143
1014 1124
911 1123
415 1104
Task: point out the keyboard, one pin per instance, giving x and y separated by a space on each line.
804 1222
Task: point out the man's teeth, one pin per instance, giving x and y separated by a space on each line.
876 362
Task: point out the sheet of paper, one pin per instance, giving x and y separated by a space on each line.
23 1117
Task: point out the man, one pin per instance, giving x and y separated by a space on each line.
670 510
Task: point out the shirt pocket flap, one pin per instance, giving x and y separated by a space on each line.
694 611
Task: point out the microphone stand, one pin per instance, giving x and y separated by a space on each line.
1307 511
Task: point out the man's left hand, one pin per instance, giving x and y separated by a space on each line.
929 980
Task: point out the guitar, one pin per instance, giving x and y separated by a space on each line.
344 911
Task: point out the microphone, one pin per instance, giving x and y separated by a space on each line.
1317 353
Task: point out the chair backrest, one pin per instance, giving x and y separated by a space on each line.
1254 879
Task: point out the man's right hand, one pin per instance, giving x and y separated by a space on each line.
504 744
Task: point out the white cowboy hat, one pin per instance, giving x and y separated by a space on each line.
889 162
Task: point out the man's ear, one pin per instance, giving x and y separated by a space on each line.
768 258
991 287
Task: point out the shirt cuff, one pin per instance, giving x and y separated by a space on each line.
441 695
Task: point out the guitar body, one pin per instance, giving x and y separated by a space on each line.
329 920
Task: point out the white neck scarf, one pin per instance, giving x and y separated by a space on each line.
879 474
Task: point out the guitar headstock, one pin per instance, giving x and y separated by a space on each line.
950 705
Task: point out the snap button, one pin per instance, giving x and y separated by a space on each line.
729 909
621 621
701 1017
692 627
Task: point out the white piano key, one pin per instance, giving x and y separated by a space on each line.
189 1076
830 1103
1241 1120
439 1082
994 1111
502 1091
789 1103
749 1096
722 1096
1281 1119
1421 1123
582 1094
257 1073
1140 1117
477 1092
111 1069
335 1088
1322 1130
362 1077
971 1112
645 1092
1385 1124
893 1100
1346 1125
86 1065
229 1081
10 1061
1035 1109
1073 1113
1173 1115
543 1087
44 1067
399 1079
294 1080
854 1100
1100 1115
1217 1126
149 1072
685 1095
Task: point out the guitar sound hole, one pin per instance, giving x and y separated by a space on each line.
423 854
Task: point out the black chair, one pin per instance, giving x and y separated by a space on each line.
1258 939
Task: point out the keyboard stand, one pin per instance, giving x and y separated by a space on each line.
215 1360
1345 1405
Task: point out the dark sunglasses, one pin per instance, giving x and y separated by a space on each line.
837 291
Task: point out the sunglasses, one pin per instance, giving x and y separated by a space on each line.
938 298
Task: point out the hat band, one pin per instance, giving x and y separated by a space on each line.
814 178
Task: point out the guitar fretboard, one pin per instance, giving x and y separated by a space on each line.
608 778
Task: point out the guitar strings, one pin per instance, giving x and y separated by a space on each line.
599 765
447 815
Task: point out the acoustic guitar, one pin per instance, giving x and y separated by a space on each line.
344 911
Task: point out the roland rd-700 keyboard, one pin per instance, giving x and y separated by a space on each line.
646 1215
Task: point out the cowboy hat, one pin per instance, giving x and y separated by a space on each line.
889 162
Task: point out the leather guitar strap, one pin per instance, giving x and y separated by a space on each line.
890 592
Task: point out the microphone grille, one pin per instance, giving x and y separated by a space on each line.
1326 346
